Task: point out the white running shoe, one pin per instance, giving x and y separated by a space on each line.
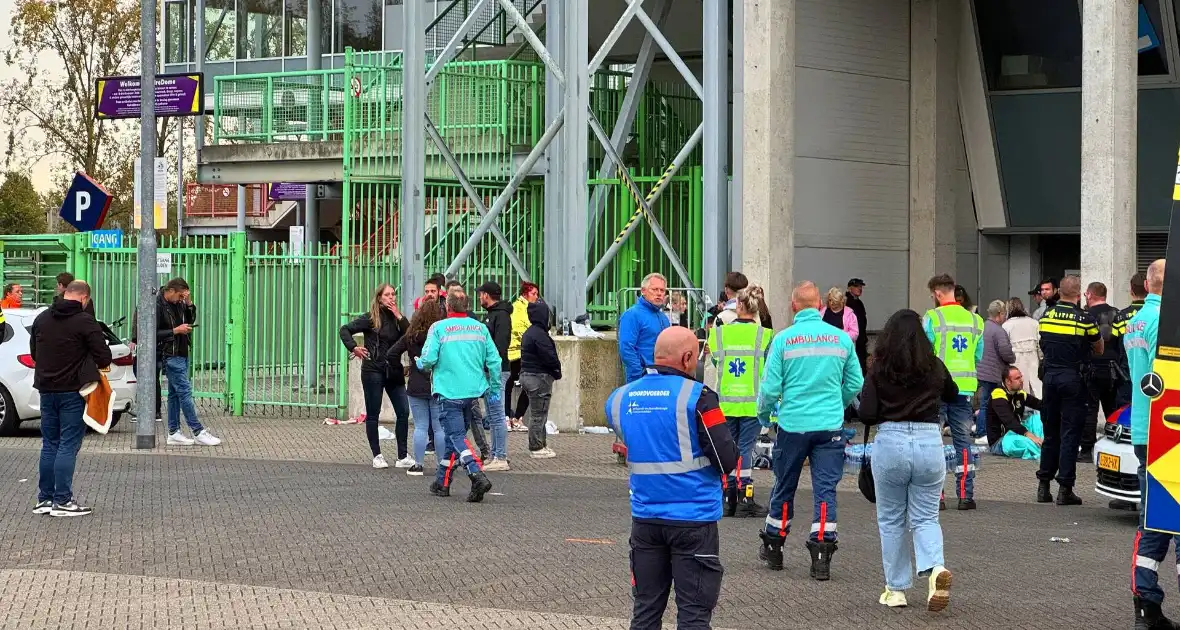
179 439
940 589
981 440
205 438
496 465
405 462
379 462
70 509
545 453
43 507
893 599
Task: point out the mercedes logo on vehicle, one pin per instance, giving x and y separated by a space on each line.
1151 385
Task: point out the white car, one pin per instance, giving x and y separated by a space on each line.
1115 461
20 402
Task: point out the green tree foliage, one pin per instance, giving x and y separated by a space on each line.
22 211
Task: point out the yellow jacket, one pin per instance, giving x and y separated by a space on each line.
520 323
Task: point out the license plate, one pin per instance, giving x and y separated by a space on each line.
1108 462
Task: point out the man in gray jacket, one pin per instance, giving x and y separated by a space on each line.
997 356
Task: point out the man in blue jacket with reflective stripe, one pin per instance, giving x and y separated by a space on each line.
812 374
641 324
678 450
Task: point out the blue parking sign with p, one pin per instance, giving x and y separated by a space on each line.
86 204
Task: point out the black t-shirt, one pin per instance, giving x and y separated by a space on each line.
834 318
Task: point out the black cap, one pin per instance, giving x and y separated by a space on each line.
491 288
856 282
1034 291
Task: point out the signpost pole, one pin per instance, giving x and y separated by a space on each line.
179 179
145 393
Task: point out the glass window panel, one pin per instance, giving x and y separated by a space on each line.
1030 45
220 29
174 32
1152 61
261 22
356 23
295 43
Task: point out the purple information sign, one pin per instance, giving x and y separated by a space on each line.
176 95
286 191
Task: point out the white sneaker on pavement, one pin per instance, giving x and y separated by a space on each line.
496 464
205 438
893 599
405 462
179 439
379 462
939 595
545 453
981 440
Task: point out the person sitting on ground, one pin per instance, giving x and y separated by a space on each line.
1006 412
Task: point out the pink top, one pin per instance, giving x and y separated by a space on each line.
850 326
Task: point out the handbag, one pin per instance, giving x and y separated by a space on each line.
864 479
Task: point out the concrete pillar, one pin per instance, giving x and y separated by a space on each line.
1110 83
768 147
934 134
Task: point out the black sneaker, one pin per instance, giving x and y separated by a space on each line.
1044 492
749 508
966 504
480 485
70 509
1086 456
43 507
439 490
415 470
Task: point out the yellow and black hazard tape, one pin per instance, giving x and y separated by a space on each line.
640 205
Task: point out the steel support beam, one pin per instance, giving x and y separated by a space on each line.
627 112
412 206
576 153
452 47
715 216
555 258
670 52
526 30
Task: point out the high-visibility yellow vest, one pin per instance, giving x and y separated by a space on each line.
738 350
957 333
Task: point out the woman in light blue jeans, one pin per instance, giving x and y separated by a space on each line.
427 415
424 407
903 393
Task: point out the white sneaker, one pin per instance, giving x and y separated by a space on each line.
496 464
205 438
893 599
545 453
179 439
405 462
940 589
981 440
379 462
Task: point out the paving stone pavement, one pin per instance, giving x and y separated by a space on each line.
285 525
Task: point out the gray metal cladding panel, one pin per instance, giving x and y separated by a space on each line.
870 37
885 274
851 117
1039 144
851 205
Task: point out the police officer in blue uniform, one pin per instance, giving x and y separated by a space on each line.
678 450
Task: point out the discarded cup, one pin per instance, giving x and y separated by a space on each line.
1058 539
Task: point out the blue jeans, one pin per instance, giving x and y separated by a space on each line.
495 419
180 395
825 451
908 472
61 437
958 417
745 432
985 394
456 445
1151 548
426 413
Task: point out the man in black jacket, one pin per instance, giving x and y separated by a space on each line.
499 323
1101 382
856 288
175 318
68 348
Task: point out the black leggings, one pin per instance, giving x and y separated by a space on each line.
522 405
375 384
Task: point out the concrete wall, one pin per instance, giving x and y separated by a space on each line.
852 147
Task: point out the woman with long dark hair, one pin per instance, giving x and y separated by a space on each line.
903 393
381 327
424 408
